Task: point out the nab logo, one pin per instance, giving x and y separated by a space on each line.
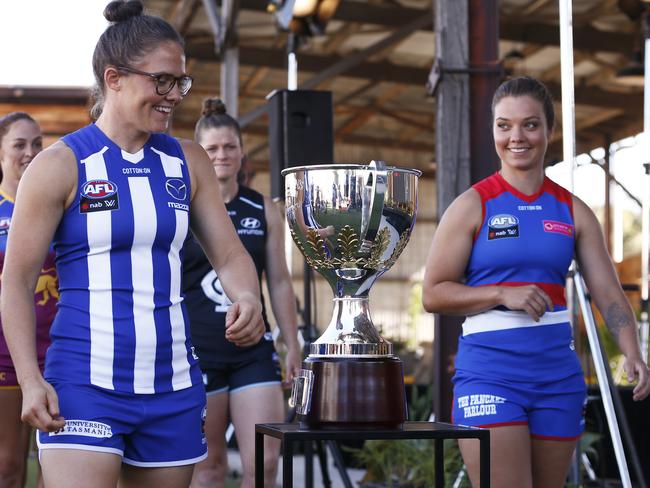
98 189
503 221
250 223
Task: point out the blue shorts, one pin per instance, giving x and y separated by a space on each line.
553 411
241 375
147 430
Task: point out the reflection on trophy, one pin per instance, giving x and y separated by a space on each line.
351 223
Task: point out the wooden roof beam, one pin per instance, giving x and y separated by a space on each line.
585 37
182 14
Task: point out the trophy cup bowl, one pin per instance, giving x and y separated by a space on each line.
351 223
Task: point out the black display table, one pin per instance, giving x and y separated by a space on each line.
290 433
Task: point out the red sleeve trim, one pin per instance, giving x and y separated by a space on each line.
487 189
562 194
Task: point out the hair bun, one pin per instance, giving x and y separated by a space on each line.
121 10
213 106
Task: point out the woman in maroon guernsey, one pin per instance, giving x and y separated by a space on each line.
20 141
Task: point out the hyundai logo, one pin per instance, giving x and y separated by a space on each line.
250 223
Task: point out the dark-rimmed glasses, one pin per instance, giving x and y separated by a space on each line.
164 81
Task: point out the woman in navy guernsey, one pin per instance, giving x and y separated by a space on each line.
243 383
500 256
20 141
121 399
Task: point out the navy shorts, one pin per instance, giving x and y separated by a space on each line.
553 411
237 376
147 430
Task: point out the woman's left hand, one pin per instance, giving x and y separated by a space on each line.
292 364
636 369
244 323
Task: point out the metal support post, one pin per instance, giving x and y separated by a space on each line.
607 388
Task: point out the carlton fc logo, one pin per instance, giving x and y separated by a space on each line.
176 188
250 223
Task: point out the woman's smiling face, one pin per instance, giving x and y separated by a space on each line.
521 132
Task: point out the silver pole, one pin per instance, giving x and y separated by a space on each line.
568 98
645 208
603 380
292 72
569 156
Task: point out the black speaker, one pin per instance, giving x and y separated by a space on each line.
300 132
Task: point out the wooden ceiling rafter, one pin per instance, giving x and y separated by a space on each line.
182 14
534 7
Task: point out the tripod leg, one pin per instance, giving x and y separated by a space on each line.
322 458
609 392
309 464
338 461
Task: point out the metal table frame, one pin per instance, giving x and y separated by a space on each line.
290 433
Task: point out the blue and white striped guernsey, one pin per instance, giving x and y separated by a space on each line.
121 323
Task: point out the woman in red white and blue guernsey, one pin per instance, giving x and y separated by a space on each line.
500 256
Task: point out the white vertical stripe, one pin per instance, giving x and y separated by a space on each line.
98 228
180 365
171 164
144 233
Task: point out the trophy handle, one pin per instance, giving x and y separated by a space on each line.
373 204
301 391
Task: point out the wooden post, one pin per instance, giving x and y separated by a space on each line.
466 45
453 167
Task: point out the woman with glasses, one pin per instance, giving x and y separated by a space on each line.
121 399
243 384
20 141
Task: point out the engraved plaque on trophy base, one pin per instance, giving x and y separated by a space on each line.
356 392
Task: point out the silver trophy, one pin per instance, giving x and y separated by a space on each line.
351 223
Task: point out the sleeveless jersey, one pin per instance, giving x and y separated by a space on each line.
523 239
207 303
121 323
46 293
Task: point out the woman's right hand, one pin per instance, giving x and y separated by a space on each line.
529 298
41 405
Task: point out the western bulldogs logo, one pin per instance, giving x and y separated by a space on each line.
98 195
503 225
176 188
250 223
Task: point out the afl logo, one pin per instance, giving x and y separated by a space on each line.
98 189
503 221
250 223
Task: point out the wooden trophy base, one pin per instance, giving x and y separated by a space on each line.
356 392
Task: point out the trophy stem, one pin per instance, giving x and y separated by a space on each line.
351 332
